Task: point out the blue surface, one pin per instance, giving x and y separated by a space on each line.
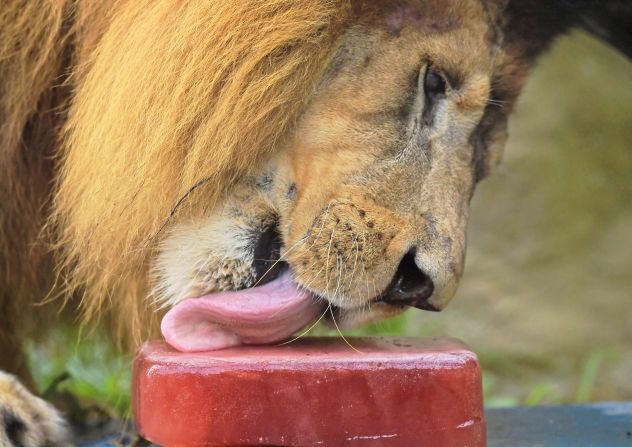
597 425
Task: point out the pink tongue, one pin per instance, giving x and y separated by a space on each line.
259 315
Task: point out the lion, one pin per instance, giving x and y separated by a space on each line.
154 151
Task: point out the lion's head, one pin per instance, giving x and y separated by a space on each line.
214 146
366 199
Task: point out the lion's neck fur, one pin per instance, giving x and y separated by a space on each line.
182 104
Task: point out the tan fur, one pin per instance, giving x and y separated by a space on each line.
143 113
151 115
145 145
164 105
232 93
371 183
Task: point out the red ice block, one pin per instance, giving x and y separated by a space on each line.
314 392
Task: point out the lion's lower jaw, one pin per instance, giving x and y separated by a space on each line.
345 319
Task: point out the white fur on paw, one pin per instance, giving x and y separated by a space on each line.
26 420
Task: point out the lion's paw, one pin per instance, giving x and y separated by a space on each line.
26 420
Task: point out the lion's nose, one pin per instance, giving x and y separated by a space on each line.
410 286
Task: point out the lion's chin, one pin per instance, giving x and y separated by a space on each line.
259 315
340 318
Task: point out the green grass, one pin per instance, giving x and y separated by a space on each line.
86 367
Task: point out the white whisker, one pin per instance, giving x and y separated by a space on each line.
331 311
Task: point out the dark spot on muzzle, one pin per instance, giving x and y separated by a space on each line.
410 286
292 192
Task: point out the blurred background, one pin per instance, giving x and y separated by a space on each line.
546 300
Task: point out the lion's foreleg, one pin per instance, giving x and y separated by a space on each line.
27 420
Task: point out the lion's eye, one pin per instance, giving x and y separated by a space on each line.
434 90
434 83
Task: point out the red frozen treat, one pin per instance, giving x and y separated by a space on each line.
405 392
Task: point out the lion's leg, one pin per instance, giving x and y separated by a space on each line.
26 420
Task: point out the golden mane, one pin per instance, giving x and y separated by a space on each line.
166 95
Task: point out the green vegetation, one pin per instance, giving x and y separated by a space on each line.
85 369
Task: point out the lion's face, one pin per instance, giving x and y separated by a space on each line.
366 201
